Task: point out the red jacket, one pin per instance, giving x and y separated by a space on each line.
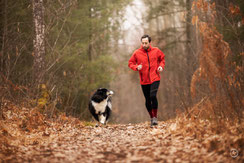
150 60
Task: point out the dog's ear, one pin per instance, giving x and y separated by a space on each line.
102 89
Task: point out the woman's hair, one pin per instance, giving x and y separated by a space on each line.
146 36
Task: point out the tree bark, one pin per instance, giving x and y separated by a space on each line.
90 32
3 34
38 41
189 55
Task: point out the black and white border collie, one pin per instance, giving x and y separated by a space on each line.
100 105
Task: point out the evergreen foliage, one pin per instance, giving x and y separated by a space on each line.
77 48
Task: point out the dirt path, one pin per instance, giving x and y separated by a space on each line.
117 143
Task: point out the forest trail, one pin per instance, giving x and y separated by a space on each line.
114 143
26 135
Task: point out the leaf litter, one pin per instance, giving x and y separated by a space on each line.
28 136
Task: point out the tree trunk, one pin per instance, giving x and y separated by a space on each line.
90 32
4 7
189 54
38 41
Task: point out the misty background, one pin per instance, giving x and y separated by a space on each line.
169 34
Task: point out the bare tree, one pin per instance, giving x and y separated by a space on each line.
38 41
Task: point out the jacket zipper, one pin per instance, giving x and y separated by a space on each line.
149 66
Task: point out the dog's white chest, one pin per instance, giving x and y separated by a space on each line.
100 107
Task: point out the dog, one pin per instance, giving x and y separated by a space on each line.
100 105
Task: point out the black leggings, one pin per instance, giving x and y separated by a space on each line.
150 94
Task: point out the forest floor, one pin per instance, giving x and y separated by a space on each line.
27 136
